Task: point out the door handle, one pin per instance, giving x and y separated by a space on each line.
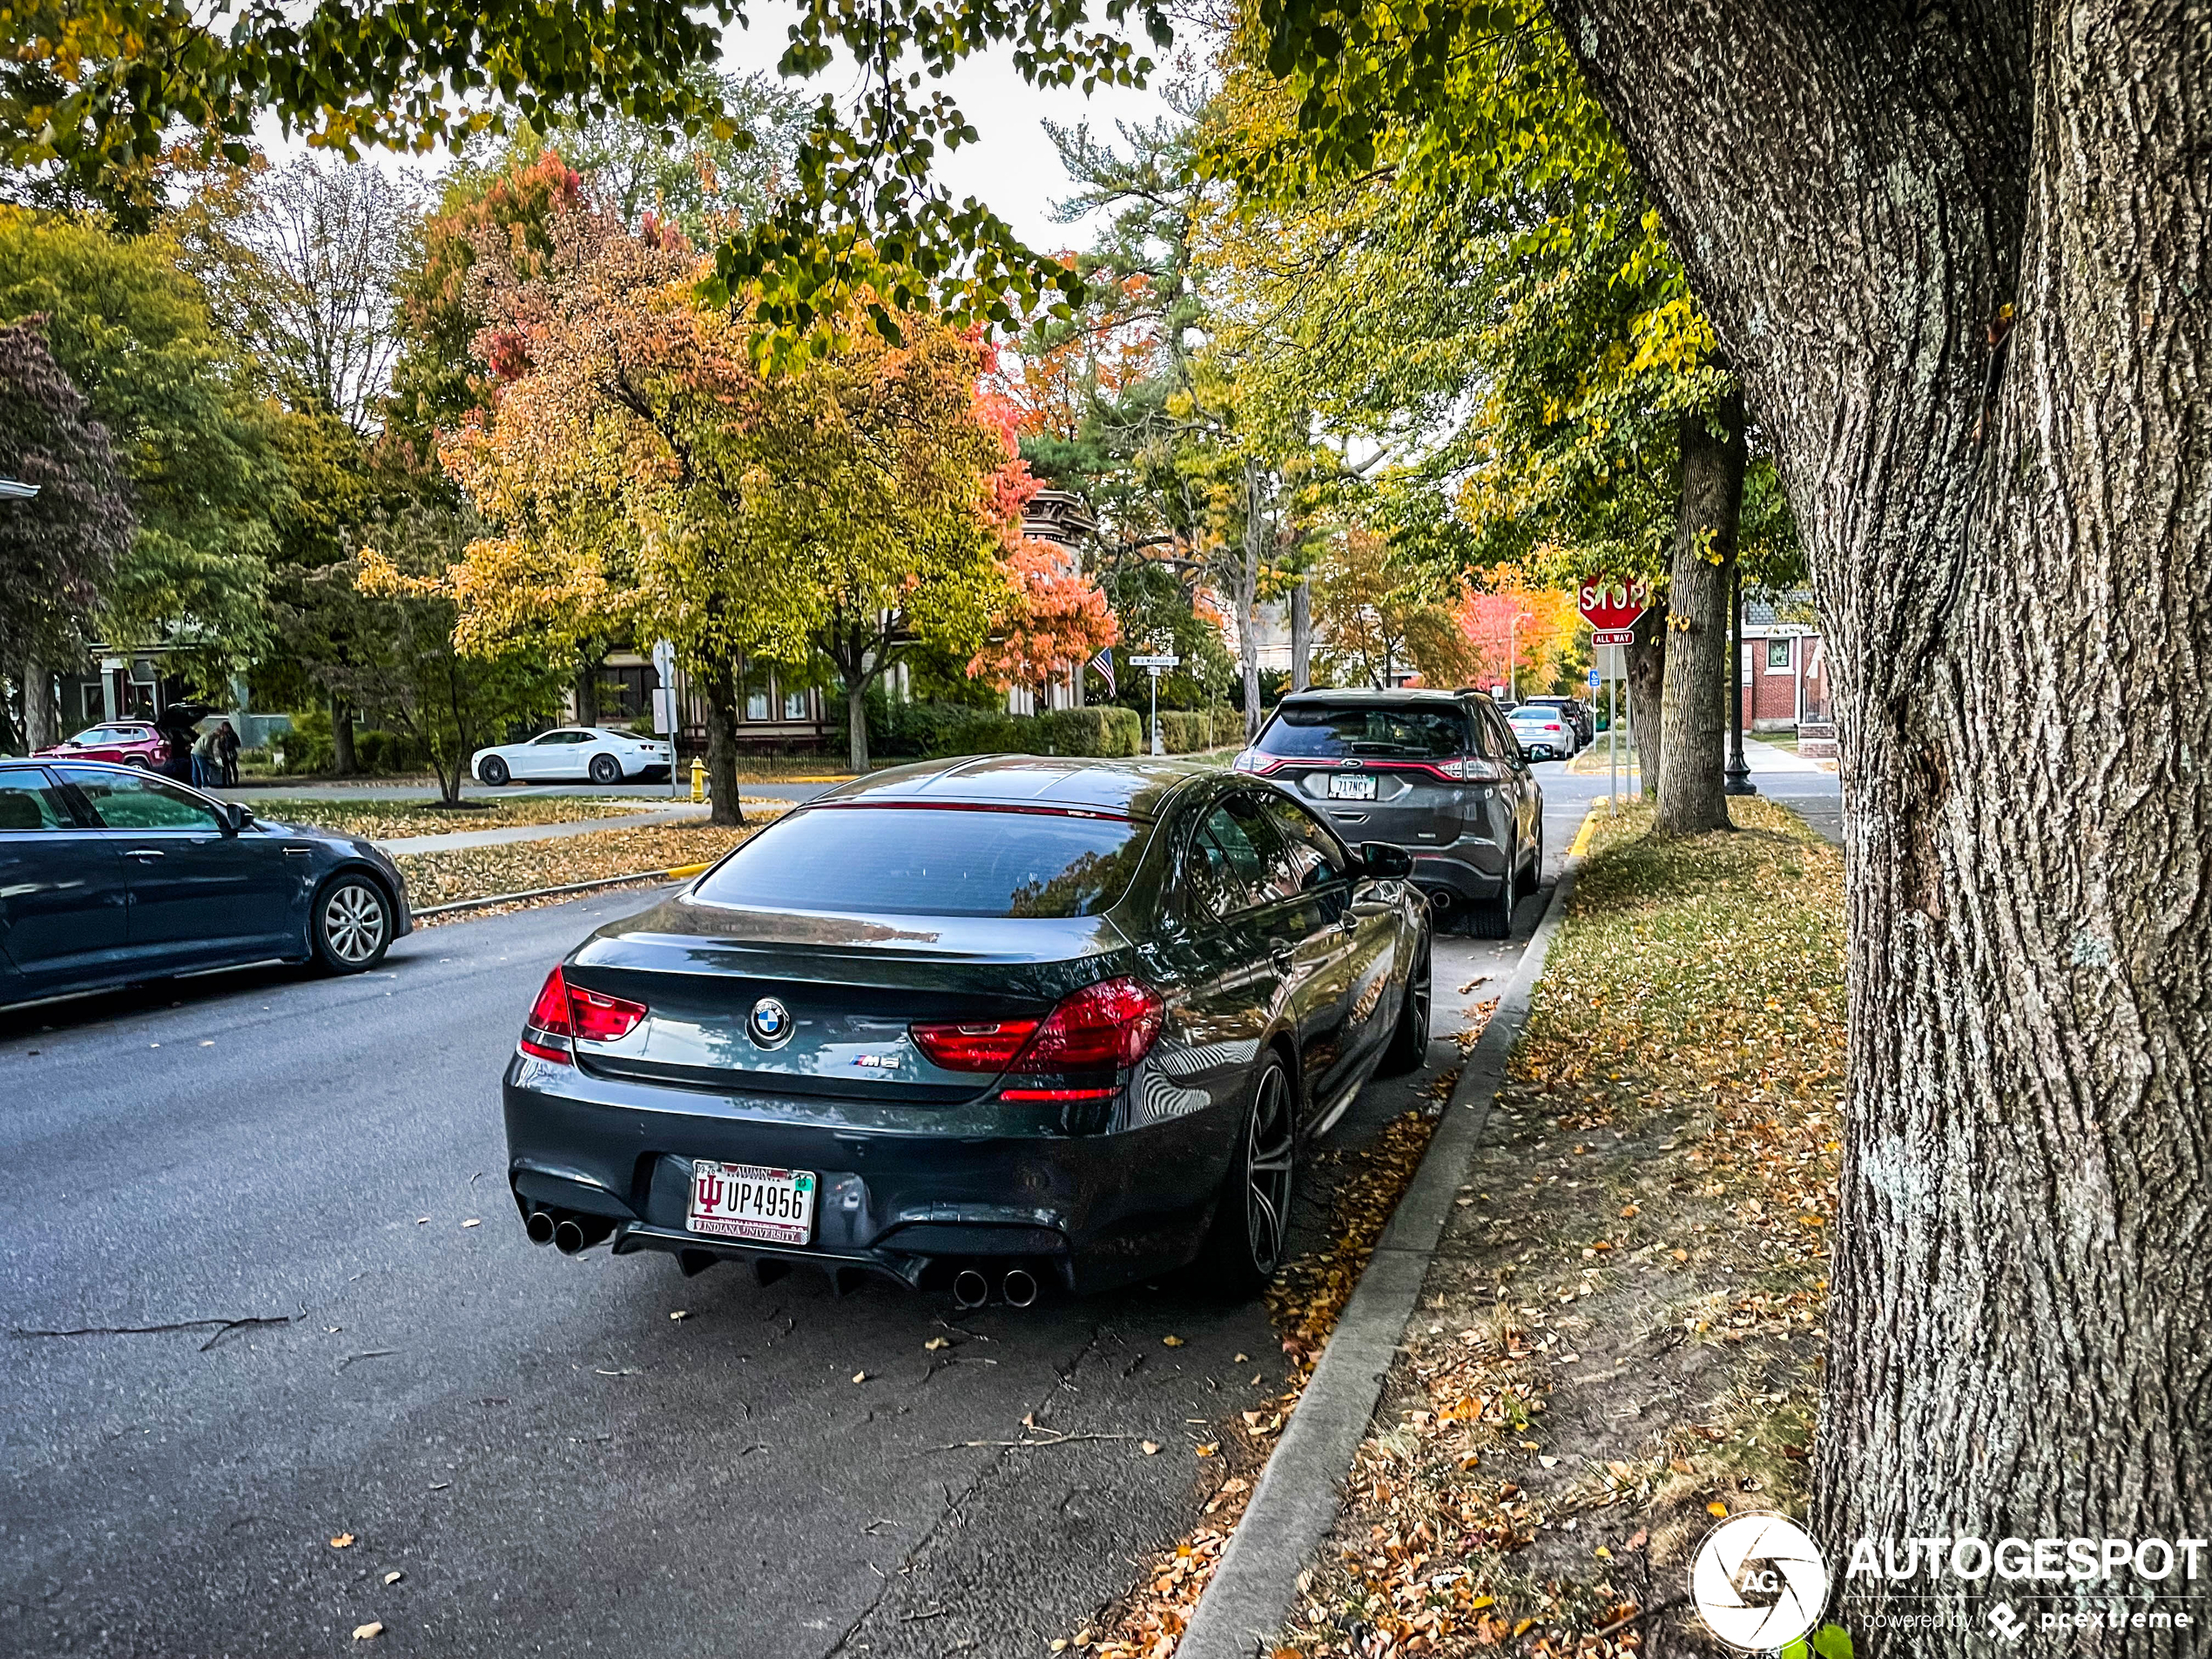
143 852
1283 954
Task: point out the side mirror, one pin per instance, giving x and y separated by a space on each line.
1384 861
235 817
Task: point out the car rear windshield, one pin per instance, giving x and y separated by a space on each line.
931 861
1326 733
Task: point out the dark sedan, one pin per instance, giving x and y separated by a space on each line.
985 1025
109 875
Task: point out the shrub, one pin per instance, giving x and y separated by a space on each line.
1183 733
939 731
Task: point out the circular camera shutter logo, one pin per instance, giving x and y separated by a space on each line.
1759 1581
770 1024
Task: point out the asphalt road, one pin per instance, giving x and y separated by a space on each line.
552 1461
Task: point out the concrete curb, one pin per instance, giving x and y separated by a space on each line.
1301 1491
680 872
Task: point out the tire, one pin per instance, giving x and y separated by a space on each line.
139 761
606 769
1248 1238
1493 918
1536 861
351 927
494 773
1409 1037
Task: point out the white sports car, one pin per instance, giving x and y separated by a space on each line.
601 754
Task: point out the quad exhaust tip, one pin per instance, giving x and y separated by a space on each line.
575 1234
539 1225
1019 1288
970 1288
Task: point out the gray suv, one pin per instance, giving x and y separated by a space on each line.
1436 773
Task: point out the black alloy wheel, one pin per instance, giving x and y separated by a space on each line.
1250 1229
1409 1038
351 924
494 772
606 769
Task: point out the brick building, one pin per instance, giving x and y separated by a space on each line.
1783 676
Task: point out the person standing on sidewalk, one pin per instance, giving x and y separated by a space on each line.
226 747
206 766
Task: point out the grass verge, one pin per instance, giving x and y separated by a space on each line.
477 872
390 820
1620 1335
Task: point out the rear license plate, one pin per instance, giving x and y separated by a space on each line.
751 1201
1342 787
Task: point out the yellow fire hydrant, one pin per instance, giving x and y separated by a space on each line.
698 780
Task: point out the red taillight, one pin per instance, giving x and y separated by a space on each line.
565 1011
1111 1023
981 1047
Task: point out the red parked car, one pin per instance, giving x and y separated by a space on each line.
129 743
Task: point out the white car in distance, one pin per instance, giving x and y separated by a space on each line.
603 754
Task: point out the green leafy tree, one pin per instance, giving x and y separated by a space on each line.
132 329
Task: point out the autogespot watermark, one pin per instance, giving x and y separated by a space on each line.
1760 1581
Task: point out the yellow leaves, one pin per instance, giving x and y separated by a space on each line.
343 1541
1171 1342
860 1376
369 1632
935 1344
1717 1508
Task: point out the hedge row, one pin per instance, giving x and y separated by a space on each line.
934 731
1186 731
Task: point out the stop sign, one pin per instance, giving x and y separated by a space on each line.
1608 603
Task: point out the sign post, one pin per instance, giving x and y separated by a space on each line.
664 702
1156 666
1612 608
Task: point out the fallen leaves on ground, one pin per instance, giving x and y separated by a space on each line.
343 1541
1304 1301
1620 1340
480 872
369 1632
390 820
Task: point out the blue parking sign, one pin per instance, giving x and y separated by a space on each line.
1596 679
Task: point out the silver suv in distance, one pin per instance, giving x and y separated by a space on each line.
1436 773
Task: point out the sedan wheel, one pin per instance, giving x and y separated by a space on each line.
353 924
494 772
606 769
1251 1229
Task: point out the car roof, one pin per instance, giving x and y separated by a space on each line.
1138 788
1319 699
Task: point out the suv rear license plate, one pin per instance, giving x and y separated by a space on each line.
751 1201
1344 787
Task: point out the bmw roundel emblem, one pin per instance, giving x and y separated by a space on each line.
770 1024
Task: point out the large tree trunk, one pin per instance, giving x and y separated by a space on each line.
856 722
587 692
2006 541
718 692
1246 597
1693 795
1302 635
1647 666
341 739
37 707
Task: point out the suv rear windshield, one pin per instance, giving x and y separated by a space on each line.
1324 731
930 861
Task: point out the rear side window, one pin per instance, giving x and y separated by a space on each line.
145 804
1228 868
27 802
930 861
1315 858
1324 733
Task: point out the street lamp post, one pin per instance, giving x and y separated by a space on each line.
1739 770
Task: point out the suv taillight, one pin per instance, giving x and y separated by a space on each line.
1110 1025
565 1012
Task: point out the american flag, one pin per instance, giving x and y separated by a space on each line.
1104 663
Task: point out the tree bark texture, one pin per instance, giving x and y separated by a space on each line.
2008 534
341 739
1247 597
1693 796
38 708
1646 661
718 689
856 722
1302 635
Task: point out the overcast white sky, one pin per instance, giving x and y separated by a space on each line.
1016 171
